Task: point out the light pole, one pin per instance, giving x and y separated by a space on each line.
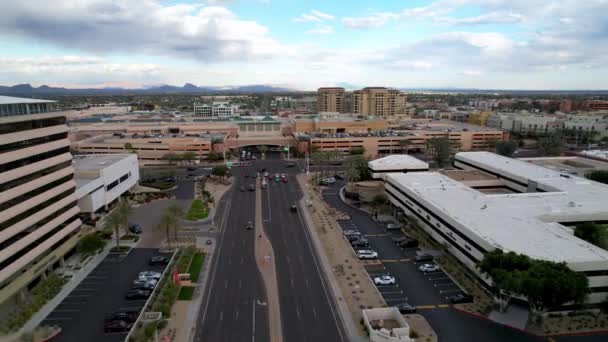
156 328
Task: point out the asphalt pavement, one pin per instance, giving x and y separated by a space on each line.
308 310
234 306
81 314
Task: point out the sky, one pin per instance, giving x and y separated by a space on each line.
306 44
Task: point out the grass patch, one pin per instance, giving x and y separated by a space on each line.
195 266
159 185
186 293
198 210
121 249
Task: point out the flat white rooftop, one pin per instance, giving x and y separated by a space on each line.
20 100
397 162
96 162
524 223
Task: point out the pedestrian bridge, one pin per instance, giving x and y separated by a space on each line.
244 141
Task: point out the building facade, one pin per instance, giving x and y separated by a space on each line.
215 110
379 101
38 205
331 100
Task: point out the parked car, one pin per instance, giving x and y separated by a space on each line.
135 228
138 294
251 187
409 242
158 260
423 257
406 308
294 208
384 280
116 326
461 298
397 240
191 168
428 268
285 180
290 164
327 181
249 225
367 254
147 285
242 188
360 243
126 316
352 238
351 232
150 275
392 226
340 175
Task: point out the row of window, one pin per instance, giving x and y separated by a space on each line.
118 181
12 221
30 177
32 142
31 124
33 159
35 192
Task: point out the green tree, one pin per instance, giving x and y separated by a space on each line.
506 148
165 224
220 171
176 213
124 211
189 156
439 149
590 232
212 156
358 170
598 176
357 150
90 244
115 223
170 157
551 144
129 147
405 144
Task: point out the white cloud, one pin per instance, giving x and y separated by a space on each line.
488 18
322 29
206 33
372 21
314 16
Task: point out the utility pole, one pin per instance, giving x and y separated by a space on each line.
307 164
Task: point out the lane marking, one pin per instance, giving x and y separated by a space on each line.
58 319
237 315
240 283
221 315
226 284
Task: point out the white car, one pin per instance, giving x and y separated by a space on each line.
367 254
428 268
384 280
149 275
282 175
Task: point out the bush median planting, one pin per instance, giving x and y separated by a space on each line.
198 210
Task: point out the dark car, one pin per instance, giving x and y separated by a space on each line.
353 237
191 169
398 240
360 243
251 187
290 164
158 260
294 208
335 163
339 176
126 316
143 285
249 225
461 298
117 326
135 228
408 243
423 258
242 188
138 294
406 308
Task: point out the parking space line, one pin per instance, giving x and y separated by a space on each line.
451 291
448 284
376 235
67 310
391 292
76 296
129 308
394 299
440 278
58 319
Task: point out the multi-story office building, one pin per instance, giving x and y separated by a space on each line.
39 221
331 100
517 123
215 110
378 101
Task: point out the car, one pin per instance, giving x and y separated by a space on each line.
283 175
423 257
149 275
137 294
290 164
460 298
249 225
246 176
367 254
405 308
426 268
144 284
293 208
399 239
384 280
327 181
191 169
277 179
352 238
266 174
392 226
251 187
351 232
135 228
335 163
285 180
254 175
360 243
208 242
339 176
126 316
158 260
117 326
253 158
408 243
242 188
276 175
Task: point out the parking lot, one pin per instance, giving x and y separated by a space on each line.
81 314
424 290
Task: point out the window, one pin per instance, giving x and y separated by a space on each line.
112 185
125 177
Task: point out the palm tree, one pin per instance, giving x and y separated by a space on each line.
166 222
175 213
405 144
263 149
124 210
115 223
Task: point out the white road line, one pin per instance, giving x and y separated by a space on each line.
307 284
58 319
221 315
253 326
229 260
242 260
298 312
291 280
450 284
226 284
65 311
287 258
240 283
451 291
393 299
237 315
71 295
314 311
392 292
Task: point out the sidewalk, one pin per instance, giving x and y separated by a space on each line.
77 277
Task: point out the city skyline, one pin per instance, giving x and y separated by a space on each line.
302 46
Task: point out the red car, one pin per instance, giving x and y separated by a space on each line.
284 179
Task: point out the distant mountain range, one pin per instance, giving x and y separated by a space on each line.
188 88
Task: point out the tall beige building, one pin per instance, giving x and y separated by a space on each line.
379 101
39 221
331 100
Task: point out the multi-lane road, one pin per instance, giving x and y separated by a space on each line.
234 306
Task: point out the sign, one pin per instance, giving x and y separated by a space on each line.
286 149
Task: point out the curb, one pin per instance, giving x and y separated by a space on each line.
502 324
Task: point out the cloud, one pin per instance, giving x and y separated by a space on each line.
314 16
485 19
372 21
205 33
321 30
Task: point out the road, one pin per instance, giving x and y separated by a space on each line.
234 304
308 310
